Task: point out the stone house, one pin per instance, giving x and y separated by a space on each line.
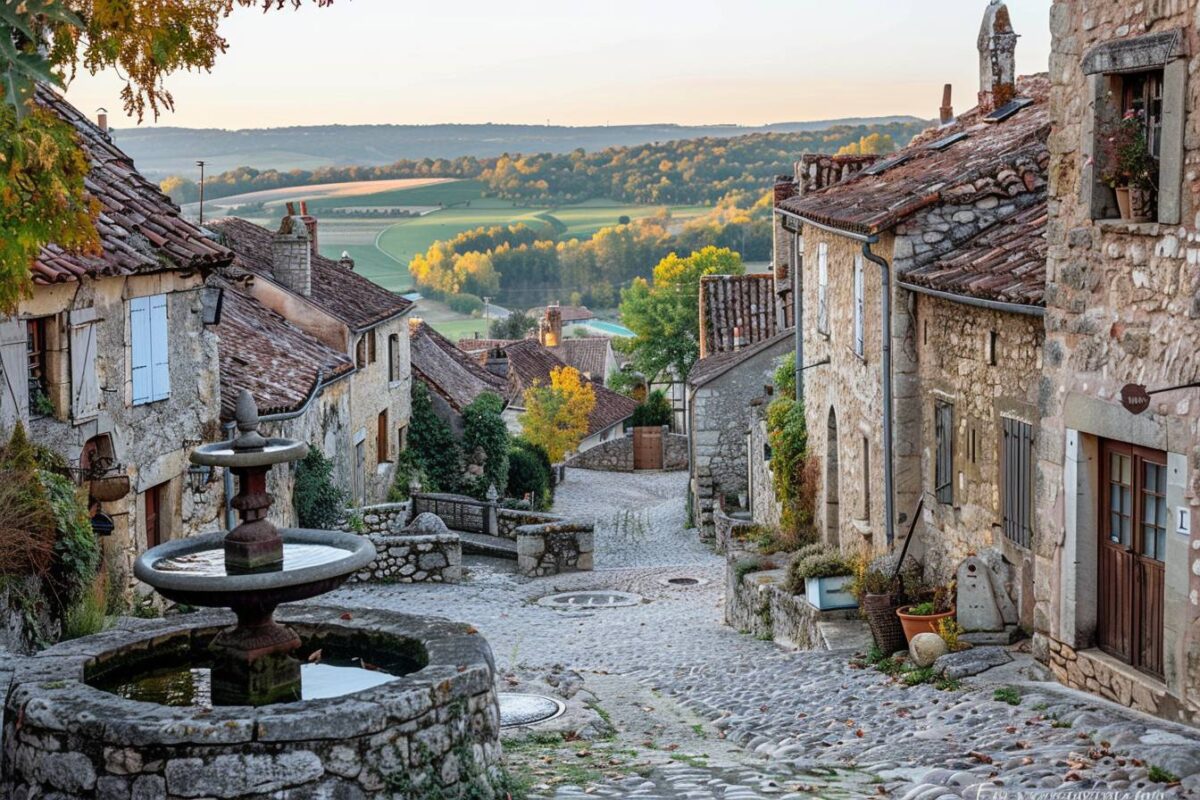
454 378
745 328
919 302
1118 550
593 356
331 302
526 363
111 361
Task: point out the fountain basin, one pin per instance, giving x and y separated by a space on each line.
438 724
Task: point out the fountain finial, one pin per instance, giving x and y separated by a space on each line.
246 417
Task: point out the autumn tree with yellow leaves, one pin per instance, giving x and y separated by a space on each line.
556 416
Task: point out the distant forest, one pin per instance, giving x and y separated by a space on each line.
686 171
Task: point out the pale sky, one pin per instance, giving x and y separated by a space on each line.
575 62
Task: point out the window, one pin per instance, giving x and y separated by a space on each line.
37 368
148 352
382 437
394 358
1146 77
85 387
360 352
402 437
943 472
823 288
1016 480
859 311
992 348
371 347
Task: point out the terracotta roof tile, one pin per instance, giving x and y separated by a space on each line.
588 354
141 230
746 302
995 159
447 370
276 361
1006 262
342 293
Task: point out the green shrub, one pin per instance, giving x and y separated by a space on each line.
1007 694
85 617
76 551
655 411
926 609
528 477
319 504
486 434
408 466
464 303
433 444
829 564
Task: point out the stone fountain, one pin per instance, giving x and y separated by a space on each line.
300 701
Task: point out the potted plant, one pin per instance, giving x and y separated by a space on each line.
878 595
927 616
1128 167
826 576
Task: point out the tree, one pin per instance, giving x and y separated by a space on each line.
665 317
432 441
556 416
485 435
181 190
42 197
514 326
319 504
654 411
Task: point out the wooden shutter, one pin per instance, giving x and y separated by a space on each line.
159 358
859 343
85 388
1016 481
140 366
944 463
393 358
14 392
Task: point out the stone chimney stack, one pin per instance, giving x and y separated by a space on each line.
346 262
291 254
496 363
997 58
310 222
551 327
102 120
947 110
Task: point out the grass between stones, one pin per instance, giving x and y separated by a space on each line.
903 672
1007 694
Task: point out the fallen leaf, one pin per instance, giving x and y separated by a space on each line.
859 733
982 758
347 615
314 657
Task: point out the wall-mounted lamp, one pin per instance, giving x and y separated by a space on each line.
199 476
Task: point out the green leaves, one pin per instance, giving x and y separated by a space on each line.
24 55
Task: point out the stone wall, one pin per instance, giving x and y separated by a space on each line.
374 393
508 520
433 558
728 531
617 455
1121 307
718 426
764 507
383 518
554 547
437 727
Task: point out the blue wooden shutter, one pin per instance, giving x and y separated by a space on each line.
140 349
161 373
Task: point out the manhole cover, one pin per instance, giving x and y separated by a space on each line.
595 599
526 709
683 582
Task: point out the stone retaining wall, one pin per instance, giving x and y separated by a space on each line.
382 518
727 529
554 547
508 520
414 559
435 730
759 604
616 455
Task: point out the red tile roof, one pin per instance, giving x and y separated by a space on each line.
481 345
1006 262
342 293
530 364
588 354
141 230
445 369
569 313
745 302
996 159
276 361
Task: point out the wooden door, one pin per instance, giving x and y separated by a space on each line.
647 448
154 515
1133 537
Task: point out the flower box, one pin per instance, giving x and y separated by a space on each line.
829 594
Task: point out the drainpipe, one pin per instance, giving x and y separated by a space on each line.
889 475
228 427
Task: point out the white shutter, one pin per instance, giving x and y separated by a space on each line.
14 361
823 287
139 349
85 388
160 373
859 344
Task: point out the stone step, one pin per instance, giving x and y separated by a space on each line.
481 544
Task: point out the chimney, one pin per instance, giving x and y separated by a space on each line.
738 340
102 120
310 222
997 58
551 327
786 187
291 254
346 262
497 363
947 115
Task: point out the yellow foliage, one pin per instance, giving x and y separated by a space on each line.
556 416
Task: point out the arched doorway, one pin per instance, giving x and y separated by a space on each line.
832 517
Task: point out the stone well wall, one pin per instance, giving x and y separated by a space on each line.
554 547
435 729
433 558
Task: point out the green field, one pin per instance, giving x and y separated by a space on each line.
450 193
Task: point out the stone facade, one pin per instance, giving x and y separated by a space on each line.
617 455
554 547
436 727
1121 307
719 417
149 442
764 506
414 559
386 518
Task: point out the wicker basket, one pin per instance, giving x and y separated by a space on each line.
880 610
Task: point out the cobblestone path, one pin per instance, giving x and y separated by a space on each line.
702 711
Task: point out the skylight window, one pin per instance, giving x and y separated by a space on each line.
884 166
1008 109
943 143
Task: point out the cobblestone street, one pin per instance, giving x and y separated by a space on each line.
701 711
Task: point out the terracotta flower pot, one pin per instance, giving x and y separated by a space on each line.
914 624
1123 202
